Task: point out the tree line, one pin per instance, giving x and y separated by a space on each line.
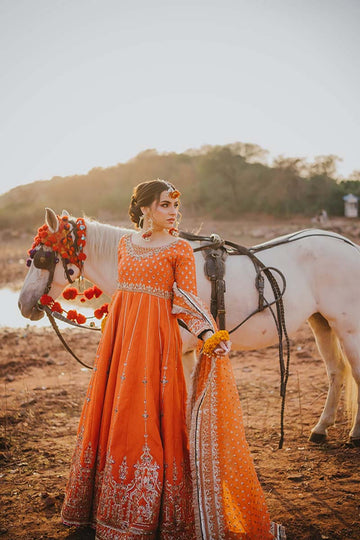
216 181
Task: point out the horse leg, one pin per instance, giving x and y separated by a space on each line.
330 350
351 345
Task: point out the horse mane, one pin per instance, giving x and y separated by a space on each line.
103 239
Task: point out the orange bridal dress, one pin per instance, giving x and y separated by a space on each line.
135 474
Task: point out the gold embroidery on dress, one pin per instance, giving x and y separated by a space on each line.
142 252
128 505
148 289
78 499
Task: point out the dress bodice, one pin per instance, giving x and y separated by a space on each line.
154 270
166 272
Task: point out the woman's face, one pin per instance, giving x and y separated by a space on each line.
163 212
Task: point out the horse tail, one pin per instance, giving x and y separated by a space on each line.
351 394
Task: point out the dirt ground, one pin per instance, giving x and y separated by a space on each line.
311 489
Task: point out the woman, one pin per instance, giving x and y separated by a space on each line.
132 475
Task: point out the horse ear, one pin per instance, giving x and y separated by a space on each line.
65 213
51 220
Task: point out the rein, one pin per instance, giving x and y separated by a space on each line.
51 316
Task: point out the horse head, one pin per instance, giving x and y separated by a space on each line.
59 240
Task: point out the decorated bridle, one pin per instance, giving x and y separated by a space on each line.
66 245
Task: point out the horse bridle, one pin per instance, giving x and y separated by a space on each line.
47 260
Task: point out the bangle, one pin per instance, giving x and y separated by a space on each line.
212 342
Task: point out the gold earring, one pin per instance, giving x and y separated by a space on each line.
174 231
146 234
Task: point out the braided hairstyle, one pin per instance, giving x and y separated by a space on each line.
145 194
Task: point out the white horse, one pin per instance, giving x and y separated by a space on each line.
322 273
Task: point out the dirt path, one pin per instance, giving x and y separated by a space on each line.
312 490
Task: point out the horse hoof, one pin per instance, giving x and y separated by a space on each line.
355 442
317 438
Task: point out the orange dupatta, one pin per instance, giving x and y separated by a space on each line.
228 500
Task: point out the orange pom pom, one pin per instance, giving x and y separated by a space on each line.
80 319
98 313
72 314
57 307
46 300
97 292
105 308
89 293
70 293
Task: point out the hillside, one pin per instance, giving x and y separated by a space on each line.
221 181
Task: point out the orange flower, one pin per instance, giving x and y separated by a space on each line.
98 313
175 194
80 319
212 342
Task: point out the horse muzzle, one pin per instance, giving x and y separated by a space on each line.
34 313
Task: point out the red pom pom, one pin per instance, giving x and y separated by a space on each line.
89 293
72 314
80 319
70 293
97 291
105 308
46 300
81 256
57 307
82 300
98 313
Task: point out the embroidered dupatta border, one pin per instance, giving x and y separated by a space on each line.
222 510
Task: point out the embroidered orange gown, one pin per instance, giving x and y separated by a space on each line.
131 476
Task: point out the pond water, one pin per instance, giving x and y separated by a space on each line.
10 314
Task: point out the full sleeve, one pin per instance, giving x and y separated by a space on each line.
187 306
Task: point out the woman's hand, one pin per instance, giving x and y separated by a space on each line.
223 348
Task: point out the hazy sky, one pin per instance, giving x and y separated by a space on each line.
86 83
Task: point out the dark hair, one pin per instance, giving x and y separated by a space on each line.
145 194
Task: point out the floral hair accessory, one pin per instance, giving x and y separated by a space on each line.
173 193
212 342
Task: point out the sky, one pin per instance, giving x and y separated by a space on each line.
91 83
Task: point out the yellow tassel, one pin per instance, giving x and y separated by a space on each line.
103 322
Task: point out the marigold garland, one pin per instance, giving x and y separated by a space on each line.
212 342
